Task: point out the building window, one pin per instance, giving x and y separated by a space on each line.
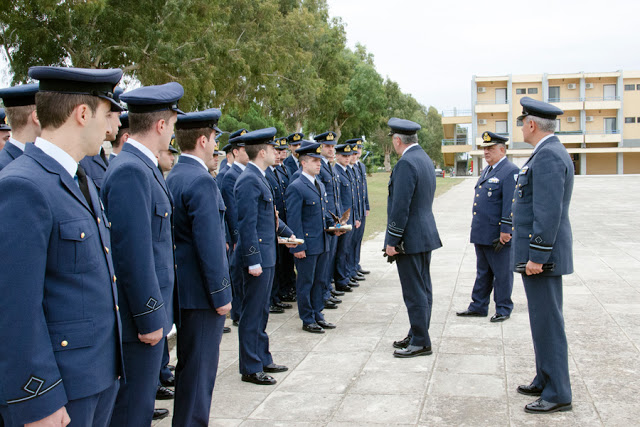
501 96
501 127
524 91
638 87
609 92
532 90
630 87
554 93
557 125
629 119
610 125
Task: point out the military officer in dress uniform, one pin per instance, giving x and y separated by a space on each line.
359 179
491 231
140 208
344 251
5 129
20 108
205 287
231 218
291 163
96 166
329 179
258 226
226 163
412 233
308 218
360 166
59 308
121 136
543 242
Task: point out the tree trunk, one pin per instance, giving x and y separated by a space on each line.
387 161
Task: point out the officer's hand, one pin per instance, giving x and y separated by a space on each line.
235 245
358 224
391 251
224 309
366 213
152 338
504 238
227 247
255 271
533 268
60 418
339 233
300 255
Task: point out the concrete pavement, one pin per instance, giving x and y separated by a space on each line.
348 376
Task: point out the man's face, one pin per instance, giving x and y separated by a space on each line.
270 158
167 132
210 146
212 162
241 155
114 119
283 155
527 130
96 127
278 157
328 151
165 160
342 159
353 159
493 154
311 165
4 137
230 158
293 149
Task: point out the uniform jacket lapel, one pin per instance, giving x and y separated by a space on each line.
147 161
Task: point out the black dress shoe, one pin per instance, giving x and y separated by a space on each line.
529 390
234 323
335 300
164 393
359 277
275 309
226 330
361 271
275 368
412 351
543 407
326 325
337 293
469 313
283 305
171 368
344 288
353 284
403 343
313 328
259 378
160 413
288 298
499 317
169 382
330 305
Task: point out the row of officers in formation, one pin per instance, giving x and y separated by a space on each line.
101 256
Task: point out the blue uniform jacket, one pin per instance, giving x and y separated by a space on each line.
365 190
347 193
8 154
221 171
203 270
330 181
277 185
290 164
409 206
95 168
228 184
257 219
308 216
59 310
140 208
359 199
492 203
541 227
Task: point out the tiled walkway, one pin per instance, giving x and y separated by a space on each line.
348 376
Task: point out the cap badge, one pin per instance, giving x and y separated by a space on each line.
330 137
318 150
347 149
486 137
296 137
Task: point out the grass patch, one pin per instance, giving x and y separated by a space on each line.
378 192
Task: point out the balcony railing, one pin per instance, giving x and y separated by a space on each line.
566 99
454 142
603 132
455 113
603 98
570 132
492 102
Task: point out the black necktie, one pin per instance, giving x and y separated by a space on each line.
315 181
488 171
103 155
84 185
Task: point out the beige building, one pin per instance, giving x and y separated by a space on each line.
600 126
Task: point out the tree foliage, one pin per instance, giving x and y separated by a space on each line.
282 63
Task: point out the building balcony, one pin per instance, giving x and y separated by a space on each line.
599 136
603 103
568 104
492 107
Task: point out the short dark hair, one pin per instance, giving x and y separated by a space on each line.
140 123
303 157
187 137
121 131
253 150
18 117
55 108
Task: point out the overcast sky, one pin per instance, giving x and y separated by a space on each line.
432 49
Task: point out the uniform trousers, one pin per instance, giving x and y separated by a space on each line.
252 331
137 396
358 245
493 272
198 349
235 271
310 287
343 256
544 299
415 280
329 267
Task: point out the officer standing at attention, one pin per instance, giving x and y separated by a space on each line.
491 231
20 108
291 163
342 276
412 233
365 197
167 158
257 224
226 163
121 136
96 166
5 129
62 355
359 180
544 244
205 288
140 208
308 218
